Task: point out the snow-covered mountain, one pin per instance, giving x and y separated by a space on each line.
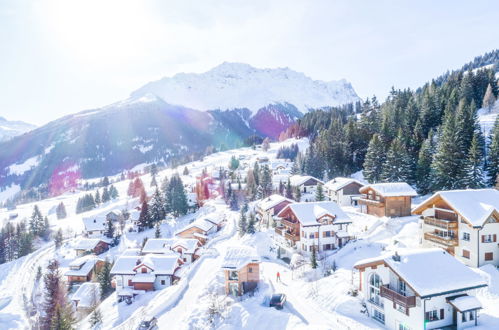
236 85
9 129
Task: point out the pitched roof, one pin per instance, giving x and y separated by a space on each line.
391 189
202 224
94 223
271 201
237 257
87 295
340 182
427 271
85 269
189 244
161 264
88 243
308 213
298 180
157 245
475 205
465 303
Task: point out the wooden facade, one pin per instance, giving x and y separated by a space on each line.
248 276
189 233
392 206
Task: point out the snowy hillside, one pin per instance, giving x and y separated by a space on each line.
487 118
9 129
236 85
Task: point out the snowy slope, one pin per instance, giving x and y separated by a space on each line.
487 118
237 85
9 129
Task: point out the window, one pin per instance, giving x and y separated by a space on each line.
374 289
472 315
489 256
433 315
489 238
163 282
250 270
463 317
326 234
466 236
466 254
402 288
311 235
233 275
130 282
185 259
379 316
144 270
403 327
326 247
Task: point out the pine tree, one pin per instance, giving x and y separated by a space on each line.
54 295
313 258
242 224
36 223
95 318
105 195
105 181
297 194
493 156
97 199
489 98
154 183
157 207
251 224
113 192
474 163
186 171
109 232
319 193
58 239
397 166
423 168
266 144
104 278
233 202
157 232
61 211
374 160
289 190
448 162
144 218
63 318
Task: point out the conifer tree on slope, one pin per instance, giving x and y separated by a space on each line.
397 166
157 206
474 163
423 168
104 278
449 160
242 223
489 98
144 218
319 193
55 307
493 159
375 158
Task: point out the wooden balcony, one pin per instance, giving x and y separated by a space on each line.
445 241
397 298
441 223
278 231
288 223
282 232
367 201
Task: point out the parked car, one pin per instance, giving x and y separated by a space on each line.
148 324
277 300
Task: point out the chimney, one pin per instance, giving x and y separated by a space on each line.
396 256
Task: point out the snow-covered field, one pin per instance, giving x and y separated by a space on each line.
314 301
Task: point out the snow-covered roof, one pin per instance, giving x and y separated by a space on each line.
88 243
157 245
271 201
125 265
340 182
298 180
427 271
84 270
215 219
308 213
94 223
161 264
78 262
391 189
466 303
202 224
475 206
87 295
237 257
189 244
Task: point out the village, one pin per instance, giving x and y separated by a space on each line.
333 239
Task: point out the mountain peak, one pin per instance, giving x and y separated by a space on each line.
232 85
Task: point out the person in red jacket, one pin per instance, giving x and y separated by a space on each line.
278 277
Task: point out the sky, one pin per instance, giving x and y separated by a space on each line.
59 57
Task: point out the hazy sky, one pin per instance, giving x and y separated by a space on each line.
60 57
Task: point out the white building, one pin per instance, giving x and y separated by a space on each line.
270 206
306 183
343 191
136 274
319 225
86 297
464 222
94 226
420 289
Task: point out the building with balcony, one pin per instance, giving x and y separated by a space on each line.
387 199
270 206
321 226
343 191
463 222
420 289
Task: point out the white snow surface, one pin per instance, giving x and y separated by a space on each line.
236 85
391 189
20 169
466 303
303 212
237 257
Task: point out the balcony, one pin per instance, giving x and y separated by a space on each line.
368 201
397 298
288 223
445 241
281 231
440 223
